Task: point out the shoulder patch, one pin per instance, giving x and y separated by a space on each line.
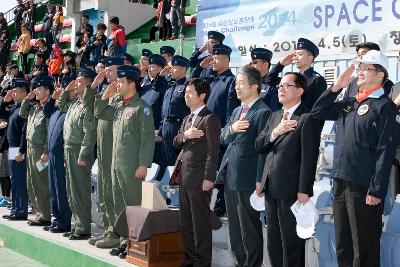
146 111
398 118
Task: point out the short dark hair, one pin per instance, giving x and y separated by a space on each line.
41 55
136 81
201 86
253 76
85 16
379 68
369 45
299 81
114 20
42 40
101 26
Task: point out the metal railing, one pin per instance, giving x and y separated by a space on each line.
9 15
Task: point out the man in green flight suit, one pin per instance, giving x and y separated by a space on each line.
79 138
104 155
133 140
37 149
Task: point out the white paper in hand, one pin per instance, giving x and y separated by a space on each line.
13 152
40 165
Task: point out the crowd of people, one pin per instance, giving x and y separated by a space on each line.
257 130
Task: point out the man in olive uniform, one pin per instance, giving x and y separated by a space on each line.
79 138
37 149
133 145
104 152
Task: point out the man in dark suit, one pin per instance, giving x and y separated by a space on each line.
291 141
198 140
240 167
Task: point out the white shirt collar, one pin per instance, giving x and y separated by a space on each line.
291 110
254 101
197 110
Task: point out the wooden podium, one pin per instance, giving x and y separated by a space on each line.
162 250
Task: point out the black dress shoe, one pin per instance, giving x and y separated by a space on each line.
15 218
79 236
68 234
118 250
39 223
6 216
48 228
122 255
58 230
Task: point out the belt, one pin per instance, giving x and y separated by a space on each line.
172 119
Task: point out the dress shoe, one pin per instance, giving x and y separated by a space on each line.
6 216
39 223
122 255
79 236
173 37
94 239
118 250
68 234
107 243
47 228
15 218
57 230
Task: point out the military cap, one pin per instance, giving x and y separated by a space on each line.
20 83
216 35
261 53
220 49
114 61
67 80
146 53
166 49
88 64
306 44
180 61
158 59
85 72
128 72
42 81
129 58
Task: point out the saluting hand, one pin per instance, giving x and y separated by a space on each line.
344 79
288 59
8 97
207 62
240 126
31 94
284 126
193 133
207 185
57 93
372 201
99 79
71 86
166 71
110 91
204 48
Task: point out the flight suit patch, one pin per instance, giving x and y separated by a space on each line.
146 111
363 109
129 113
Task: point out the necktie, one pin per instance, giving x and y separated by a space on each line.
189 122
285 116
244 111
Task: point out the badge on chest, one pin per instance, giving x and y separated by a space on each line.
363 109
128 113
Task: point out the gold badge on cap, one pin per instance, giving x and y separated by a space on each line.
363 109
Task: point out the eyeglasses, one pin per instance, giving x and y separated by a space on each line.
286 86
365 68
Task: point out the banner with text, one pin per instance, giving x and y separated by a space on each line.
336 27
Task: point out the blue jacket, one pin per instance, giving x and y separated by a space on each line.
366 135
55 135
16 131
